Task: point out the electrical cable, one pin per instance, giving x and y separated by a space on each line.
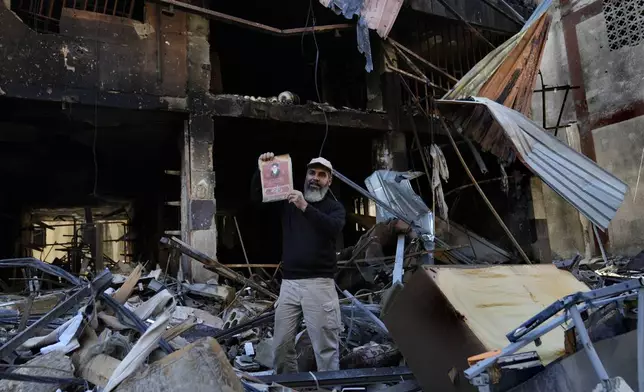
311 15
98 61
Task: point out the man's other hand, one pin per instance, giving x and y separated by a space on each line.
267 156
297 198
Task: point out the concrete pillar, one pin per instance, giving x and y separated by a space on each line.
198 195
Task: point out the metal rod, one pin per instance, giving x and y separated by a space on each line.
513 11
640 339
512 348
555 88
543 99
485 199
400 256
563 106
460 188
252 265
221 269
459 17
241 241
505 14
599 242
588 344
233 20
363 308
410 52
340 377
423 156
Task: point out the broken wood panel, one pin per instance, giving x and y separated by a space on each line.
124 292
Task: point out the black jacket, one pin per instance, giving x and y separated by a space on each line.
308 238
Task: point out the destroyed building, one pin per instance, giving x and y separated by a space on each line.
131 251
159 111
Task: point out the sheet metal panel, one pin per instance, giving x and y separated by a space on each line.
593 191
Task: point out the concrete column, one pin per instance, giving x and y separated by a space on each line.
198 195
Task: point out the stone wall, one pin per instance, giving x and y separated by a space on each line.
586 48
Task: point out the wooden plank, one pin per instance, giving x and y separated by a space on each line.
124 292
219 268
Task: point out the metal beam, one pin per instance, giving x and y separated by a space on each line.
97 286
259 27
421 59
257 321
340 377
220 268
469 26
505 14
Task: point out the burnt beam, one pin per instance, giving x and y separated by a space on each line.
237 106
110 99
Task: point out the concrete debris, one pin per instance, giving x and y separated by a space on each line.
153 332
199 367
264 353
221 293
372 355
54 364
182 313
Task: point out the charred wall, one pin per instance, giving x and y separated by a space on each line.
106 60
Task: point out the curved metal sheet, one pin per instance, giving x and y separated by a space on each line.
593 191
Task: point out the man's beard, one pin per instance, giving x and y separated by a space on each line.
313 193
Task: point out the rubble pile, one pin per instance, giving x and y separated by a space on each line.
122 331
401 297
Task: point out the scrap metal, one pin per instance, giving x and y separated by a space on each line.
97 286
470 175
220 268
539 325
507 74
60 381
340 377
465 22
593 191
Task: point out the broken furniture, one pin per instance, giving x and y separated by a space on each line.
548 320
446 314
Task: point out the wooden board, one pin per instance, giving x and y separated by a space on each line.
494 300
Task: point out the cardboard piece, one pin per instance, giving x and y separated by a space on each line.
277 178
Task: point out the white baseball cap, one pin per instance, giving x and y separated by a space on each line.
319 161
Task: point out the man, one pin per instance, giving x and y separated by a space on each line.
311 221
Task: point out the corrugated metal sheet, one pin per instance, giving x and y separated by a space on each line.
507 134
379 15
507 74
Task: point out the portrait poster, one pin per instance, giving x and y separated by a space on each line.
277 178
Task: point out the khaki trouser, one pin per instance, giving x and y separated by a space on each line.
317 301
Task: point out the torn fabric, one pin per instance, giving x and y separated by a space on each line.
378 15
439 171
